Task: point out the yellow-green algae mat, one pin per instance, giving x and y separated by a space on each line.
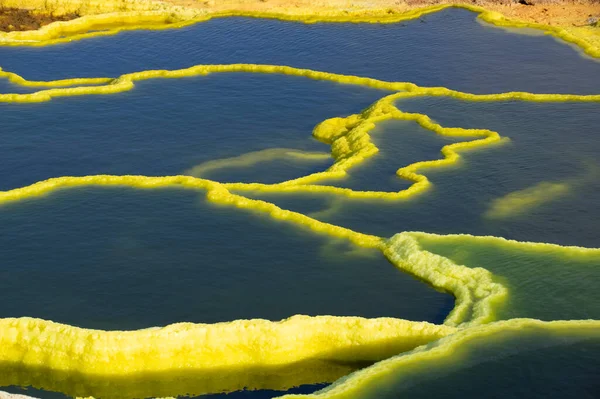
246 353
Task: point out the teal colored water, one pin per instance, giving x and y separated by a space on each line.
528 364
124 259
545 285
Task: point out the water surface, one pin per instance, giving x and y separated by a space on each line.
449 48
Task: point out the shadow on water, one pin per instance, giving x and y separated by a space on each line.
252 382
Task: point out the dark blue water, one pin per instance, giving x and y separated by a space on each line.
165 127
125 259
444 49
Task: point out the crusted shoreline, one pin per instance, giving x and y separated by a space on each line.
46 22
21 15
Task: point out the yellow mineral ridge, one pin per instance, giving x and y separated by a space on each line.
31 350
240 343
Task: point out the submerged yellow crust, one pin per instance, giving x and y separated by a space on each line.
239 346
252 158
520 201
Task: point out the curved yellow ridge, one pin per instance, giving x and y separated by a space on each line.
125 83
402 250
240 343
351 144
214 192
151 15
189 358
18 80
31 343
475 290
570 250
348 136
361 382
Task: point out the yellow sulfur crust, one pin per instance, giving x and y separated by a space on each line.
201 358
200 347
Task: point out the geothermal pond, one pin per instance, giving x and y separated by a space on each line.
126 258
